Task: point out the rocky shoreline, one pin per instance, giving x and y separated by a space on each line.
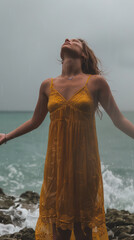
119 223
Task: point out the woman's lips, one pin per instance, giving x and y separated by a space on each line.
66 43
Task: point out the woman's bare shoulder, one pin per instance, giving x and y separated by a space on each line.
101 80
46 82
45 86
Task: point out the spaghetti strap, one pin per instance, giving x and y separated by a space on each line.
51 86
88 79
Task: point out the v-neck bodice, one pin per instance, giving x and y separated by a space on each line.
75 93
81 100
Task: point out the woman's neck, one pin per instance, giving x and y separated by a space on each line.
71 67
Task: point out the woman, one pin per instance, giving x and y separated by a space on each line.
72 198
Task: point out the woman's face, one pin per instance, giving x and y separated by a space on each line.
72 47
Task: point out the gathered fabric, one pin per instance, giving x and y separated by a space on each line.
72 188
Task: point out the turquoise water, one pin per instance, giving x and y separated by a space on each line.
22 159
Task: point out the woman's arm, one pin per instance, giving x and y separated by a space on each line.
107 101
40 113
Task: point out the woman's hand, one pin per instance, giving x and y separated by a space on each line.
2 138
40 113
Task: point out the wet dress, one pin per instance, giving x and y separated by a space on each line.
72 188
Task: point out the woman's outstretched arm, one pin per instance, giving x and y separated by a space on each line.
40 113
107 101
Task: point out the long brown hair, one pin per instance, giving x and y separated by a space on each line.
90 65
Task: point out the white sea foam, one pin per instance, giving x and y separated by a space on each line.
8 229
28 219
118 192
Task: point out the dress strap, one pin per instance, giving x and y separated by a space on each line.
88 78
51 86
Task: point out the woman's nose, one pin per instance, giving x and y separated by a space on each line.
66 40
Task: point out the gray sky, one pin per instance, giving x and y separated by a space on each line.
32 32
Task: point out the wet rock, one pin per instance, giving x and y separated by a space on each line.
24 234
5 201
8 238
30 197
124 235
5 219
128 229
121 223
28 233
10 212
110 234
116 217
1 192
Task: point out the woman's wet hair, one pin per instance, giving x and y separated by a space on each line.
90 65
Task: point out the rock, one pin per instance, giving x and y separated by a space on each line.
28 234
30 197
1 192
5 219
116 217
8 238
110 234
6 202
121 222
124 211
120 229
24 234
10 212
124 235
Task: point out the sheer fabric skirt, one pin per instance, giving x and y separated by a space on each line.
72 189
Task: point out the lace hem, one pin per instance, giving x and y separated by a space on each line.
44 229
97 226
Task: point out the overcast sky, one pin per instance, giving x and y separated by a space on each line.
32 32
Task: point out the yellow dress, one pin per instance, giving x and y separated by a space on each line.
72 189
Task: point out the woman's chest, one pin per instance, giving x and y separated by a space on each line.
80 100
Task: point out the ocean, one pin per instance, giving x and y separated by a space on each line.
22 162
